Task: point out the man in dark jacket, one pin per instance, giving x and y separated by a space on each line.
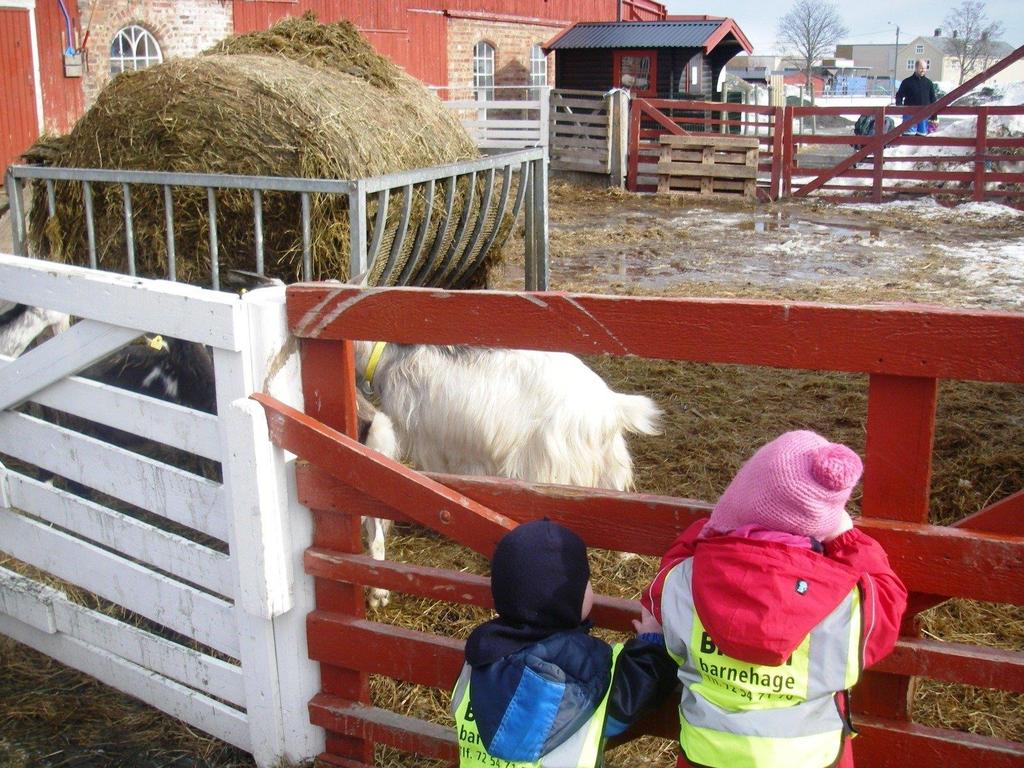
916 91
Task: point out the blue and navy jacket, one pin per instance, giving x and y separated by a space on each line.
527 703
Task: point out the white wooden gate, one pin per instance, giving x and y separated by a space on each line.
206 566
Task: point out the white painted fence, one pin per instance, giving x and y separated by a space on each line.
197 560
507 117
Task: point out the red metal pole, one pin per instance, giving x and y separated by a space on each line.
876 183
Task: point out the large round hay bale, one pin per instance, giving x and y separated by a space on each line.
302 99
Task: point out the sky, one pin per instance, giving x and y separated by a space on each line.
869 24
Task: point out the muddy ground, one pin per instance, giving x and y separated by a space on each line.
612 242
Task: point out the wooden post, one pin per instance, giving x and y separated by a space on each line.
328 388
879 166
634 144
897 479
618 136
980 146
787 151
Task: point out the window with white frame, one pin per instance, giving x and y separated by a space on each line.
919 49
927 64
133 47
910 63
483 71
538 71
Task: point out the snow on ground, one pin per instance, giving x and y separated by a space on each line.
997 269
928 208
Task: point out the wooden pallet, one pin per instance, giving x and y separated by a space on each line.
708 165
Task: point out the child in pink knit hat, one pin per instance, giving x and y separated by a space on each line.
772 607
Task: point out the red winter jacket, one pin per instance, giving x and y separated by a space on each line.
743 592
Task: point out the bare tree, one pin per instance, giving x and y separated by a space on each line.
810 30
971 37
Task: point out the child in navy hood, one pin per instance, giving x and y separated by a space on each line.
537 681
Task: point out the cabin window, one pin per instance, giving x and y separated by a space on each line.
133 48
910 63
919 49
637 71
694 73
538 71
483 71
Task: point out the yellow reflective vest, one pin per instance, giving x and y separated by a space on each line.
583 749
734 714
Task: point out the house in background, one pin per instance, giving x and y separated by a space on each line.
682 57
54 65
936 50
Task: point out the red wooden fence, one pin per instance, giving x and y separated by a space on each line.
961 167
904 350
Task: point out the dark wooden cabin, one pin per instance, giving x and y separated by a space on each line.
681 57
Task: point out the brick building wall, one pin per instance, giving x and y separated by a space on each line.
181 28
512 42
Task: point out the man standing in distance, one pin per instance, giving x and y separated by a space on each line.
916 91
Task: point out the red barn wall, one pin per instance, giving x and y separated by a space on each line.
18 125
62 96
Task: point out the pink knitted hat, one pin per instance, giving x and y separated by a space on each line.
798 483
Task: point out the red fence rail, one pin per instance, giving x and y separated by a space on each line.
904 351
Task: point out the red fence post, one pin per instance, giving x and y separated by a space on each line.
879 167
980 146
324 361
897 480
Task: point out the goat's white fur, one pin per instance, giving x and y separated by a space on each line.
535 416
380 437
16 336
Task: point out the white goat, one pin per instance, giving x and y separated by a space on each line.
377 432
540 417
21 324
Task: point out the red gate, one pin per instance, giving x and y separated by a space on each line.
904 350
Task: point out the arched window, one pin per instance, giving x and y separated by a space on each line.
133 48
483 71
538 71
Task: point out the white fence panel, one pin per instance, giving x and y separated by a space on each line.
581 131
152 485
502 117
141 541
249 603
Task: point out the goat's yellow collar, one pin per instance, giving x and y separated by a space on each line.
371 365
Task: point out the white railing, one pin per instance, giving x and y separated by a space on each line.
210 566
503 116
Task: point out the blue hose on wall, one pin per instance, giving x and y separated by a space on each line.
70 50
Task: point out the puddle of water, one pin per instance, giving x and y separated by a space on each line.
782 221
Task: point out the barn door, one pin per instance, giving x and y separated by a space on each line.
20 124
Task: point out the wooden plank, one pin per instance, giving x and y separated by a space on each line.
909 340
174 309
1005 516
175 605
705 140
438 584
382 726
956 663
560 142
202 712
384 649
427 502
648 524
25 600
714 171
565 121
141 541
642 523
888 744
158 420
492 105
158 488
67 353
